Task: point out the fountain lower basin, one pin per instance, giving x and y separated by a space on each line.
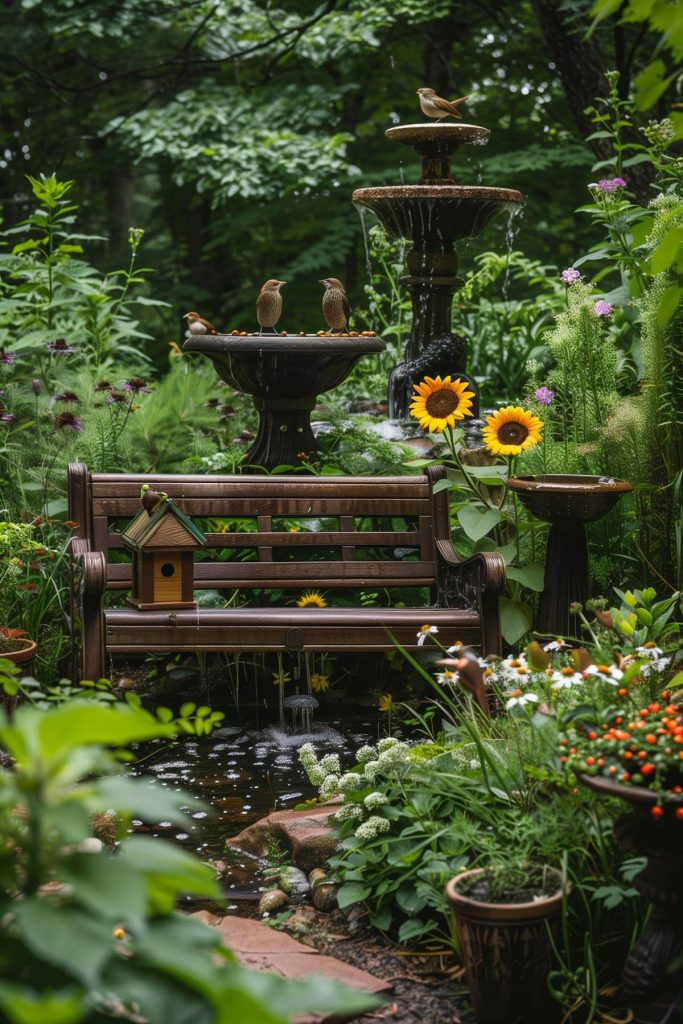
284 374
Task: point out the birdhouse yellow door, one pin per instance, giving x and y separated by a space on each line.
168 577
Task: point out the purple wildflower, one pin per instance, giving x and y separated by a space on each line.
570 275
135 384
544 396
7 418
611 184
69 397
602 308
35 386
60 348
68 419
116 397
7 357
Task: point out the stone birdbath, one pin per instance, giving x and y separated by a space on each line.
567 502
284 374
433 215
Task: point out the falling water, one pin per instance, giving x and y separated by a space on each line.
368 265
281 689
511 231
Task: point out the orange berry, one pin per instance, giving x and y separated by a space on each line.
642 755
590 760
622 691
647 769
643 713
654 708
650 738
592 735
657 811
679 813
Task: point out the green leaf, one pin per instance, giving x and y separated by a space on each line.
477 524
70 939
667 250
352 892
115 890
170 871
515 619
409 899
668 304
651 83
26 1006
441 485
415 929
530 576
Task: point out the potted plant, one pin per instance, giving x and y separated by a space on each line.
16 646
505 916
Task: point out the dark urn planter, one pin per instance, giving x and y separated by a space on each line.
651 991
284 374
507 953
566 501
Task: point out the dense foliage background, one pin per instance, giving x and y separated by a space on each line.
233 132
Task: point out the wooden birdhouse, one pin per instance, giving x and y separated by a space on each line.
163 541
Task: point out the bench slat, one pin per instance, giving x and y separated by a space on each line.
222 575
280 539
126 485
239 506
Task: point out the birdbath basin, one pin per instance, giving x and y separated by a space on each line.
566 501
284 374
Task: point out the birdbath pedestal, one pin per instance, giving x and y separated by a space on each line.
566 501
284 374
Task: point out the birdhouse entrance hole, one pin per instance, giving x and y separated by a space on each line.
168 582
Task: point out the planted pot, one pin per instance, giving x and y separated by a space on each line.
20 650
505 945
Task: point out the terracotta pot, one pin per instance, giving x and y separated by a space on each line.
507 953
24 654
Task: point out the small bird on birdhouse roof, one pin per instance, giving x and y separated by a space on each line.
269 304
437 107
336 308
198 325
151 499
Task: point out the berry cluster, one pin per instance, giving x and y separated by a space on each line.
641 748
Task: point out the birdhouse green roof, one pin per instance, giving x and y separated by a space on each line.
167 526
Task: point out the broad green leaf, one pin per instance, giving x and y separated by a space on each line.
170 871
668 304
530 576
71 939
515 619
107 885
352 892
26 1006
409 899
667 250
651 83
415 929
477 524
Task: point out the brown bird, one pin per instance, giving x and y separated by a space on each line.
151 499
336 308
198 325
436 106
269 304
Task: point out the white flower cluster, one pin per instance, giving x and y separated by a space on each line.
372 828
376 799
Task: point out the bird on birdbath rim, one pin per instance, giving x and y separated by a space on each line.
437 107
336 308
269 304
151 499
198 325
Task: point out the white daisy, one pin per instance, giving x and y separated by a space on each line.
424 632
610 673
447 678
519 699
565 678
555 645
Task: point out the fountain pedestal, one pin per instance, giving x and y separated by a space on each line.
433 216
284 374
566 502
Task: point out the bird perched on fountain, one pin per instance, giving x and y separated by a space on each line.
436 106
196 324
336 308
151 499
269 304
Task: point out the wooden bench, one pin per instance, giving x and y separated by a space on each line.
359 533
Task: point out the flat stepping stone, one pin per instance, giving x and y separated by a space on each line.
265 949
306 835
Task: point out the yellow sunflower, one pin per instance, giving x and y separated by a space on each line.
441 403
319 682
281 678
311 599
511 431
385 703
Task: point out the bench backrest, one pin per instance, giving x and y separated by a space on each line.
291 532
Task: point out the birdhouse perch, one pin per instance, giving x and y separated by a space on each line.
162 541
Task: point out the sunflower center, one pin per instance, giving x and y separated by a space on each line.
512 433
442 403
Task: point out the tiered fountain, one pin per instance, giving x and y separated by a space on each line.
433 215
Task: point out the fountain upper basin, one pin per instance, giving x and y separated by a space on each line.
436 212
446 136
286 366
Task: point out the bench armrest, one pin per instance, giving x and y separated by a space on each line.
88 574
472 583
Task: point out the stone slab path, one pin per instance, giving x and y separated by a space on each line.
265 949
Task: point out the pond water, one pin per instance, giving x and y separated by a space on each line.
240 775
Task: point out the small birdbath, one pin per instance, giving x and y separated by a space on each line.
566 501
284 374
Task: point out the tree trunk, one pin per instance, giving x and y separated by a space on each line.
581 66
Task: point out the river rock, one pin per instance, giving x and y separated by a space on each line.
294 881
306 835
274 899
325 897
